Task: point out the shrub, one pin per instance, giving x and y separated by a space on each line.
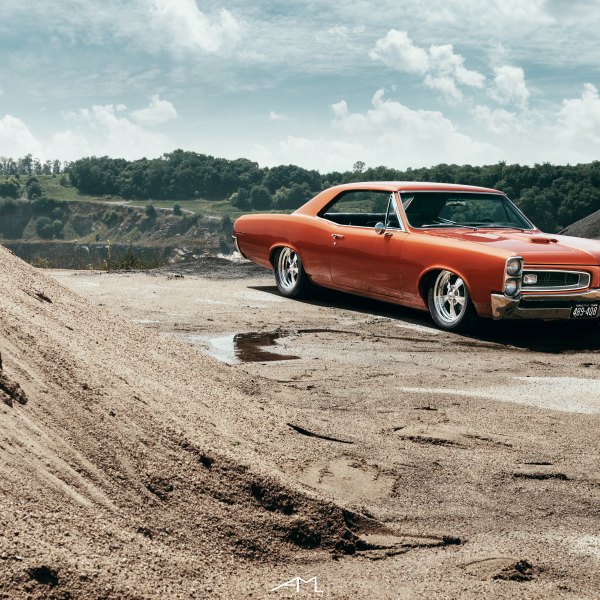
9 188
112 218
43 227
57 228
177 210
34 190
8 207
150 211
45 205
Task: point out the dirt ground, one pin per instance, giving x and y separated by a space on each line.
478 456
189 433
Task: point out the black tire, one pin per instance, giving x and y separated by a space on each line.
290 276
450 304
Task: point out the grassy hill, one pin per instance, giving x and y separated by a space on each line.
52 188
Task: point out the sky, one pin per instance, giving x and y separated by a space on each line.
317 83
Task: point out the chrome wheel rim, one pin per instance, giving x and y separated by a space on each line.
288 268
450 297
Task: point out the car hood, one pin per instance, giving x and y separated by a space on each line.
535 248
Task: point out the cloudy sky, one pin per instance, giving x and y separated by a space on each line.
319 83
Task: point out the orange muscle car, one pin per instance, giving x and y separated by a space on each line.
459 251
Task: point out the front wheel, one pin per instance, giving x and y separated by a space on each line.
290 276
450 305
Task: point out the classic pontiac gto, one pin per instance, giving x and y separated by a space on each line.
459 251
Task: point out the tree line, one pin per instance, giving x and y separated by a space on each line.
553 196
28 165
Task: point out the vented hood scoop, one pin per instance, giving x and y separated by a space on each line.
542 239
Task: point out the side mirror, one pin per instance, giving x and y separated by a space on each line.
379 228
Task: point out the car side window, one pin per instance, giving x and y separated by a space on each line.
361 208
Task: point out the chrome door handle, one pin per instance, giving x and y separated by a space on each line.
337 236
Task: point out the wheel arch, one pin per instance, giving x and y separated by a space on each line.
279 246
428 277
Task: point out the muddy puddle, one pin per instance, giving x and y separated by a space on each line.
254 346
237 348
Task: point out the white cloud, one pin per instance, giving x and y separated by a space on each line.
443 60
274 116
566 134
388 133
156 113
105 130
398 51
444 70
509 86
578 121
173 26
446 86
344 31
498 120
16 139
188 28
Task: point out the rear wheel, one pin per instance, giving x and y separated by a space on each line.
449 303
290 276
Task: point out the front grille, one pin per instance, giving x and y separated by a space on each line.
557 280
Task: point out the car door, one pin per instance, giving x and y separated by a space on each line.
366 246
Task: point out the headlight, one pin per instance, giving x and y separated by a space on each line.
511 287
514 266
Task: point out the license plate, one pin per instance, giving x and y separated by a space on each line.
584 311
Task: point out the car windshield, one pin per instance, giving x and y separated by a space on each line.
461 209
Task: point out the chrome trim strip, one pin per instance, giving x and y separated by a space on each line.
508 308
558 288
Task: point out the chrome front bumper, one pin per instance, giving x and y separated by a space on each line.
504 307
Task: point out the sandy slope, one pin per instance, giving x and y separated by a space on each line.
127 472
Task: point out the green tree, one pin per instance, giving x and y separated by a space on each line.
9 188
260 198
33 188
57 228
241 199
358 167
43 227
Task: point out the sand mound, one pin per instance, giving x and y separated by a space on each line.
125 466
588 227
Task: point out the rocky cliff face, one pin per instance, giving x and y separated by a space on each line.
84 235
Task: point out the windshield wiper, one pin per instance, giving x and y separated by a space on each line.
495 226
448 223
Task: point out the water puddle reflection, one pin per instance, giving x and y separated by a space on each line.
255 346
247 347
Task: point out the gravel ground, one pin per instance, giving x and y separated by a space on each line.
257 439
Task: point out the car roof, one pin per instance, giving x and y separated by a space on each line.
399 186
312 207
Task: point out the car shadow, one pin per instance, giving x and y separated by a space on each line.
554 337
